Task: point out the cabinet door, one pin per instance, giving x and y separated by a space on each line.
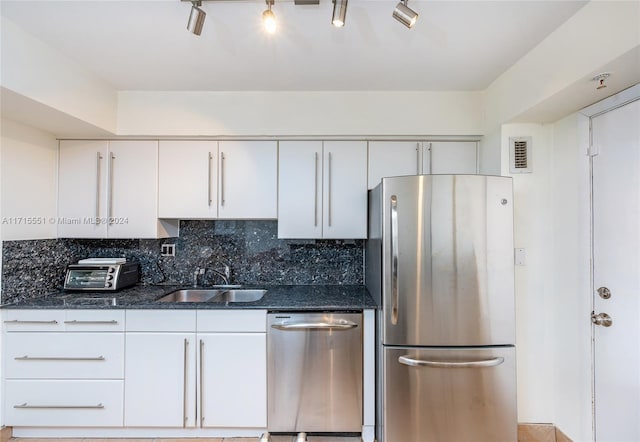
300 189
233 380
345 189
159 386
132 194
82 189
188 179
455 157
393 158
248 181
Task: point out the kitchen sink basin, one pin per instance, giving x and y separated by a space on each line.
214 295
189 295
242 295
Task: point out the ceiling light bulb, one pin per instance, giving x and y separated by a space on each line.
196 18
269 20
339 13
405 14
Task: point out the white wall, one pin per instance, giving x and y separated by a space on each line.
306 113
29 175
551 210
33 69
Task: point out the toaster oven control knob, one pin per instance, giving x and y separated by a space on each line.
108 284
112 269
109 277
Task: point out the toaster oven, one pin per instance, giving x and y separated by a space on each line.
108 277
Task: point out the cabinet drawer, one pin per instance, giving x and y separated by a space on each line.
64 403
94 320
64 355
161 320
232 321
34 320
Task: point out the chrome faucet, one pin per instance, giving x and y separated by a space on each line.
197 273
225 273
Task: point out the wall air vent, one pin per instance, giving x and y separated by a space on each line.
520 154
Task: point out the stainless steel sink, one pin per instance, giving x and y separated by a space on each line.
214 295
189 295
242 295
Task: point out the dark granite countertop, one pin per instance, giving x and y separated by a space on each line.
281 297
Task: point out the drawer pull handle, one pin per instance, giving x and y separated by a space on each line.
59 407
18 321
75 322
343 325
58 358
406 360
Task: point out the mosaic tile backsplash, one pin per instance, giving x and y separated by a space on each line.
251 248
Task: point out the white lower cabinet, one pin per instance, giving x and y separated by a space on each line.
63 403
160 380
184 378
233 381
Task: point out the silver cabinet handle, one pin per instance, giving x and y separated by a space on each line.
58 358
315 191
111 167
406 360
209 179
185 384
329 189
417 158
201 381
430 158
59 407
394 259
18 321
345 325
98 163
76 322
222 159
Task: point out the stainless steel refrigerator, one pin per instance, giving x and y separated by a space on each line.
440 263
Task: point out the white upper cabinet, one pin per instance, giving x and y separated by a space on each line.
300 189
322 189
108 189
393 158
248 180
400 158
444 157
188 179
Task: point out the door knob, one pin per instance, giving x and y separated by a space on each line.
601 319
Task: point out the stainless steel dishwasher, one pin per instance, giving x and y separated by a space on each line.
314 372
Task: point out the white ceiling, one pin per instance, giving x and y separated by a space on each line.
144 44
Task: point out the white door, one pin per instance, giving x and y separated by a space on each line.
345 190
616 268
187 179
132 195
393 158
82 189
450 157
248 180
300 189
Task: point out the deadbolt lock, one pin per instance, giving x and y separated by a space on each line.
604 293
601 319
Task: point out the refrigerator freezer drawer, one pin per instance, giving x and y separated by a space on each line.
449 394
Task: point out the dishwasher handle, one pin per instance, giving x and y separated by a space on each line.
297 326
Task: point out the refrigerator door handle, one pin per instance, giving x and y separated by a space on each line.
406 360
394 259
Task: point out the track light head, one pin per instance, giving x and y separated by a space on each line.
339 13
269 19
405 14
196 18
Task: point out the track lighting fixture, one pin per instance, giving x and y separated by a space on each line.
405 14
196 18
339 13
269 18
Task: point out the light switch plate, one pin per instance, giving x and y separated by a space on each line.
168 250
520 257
